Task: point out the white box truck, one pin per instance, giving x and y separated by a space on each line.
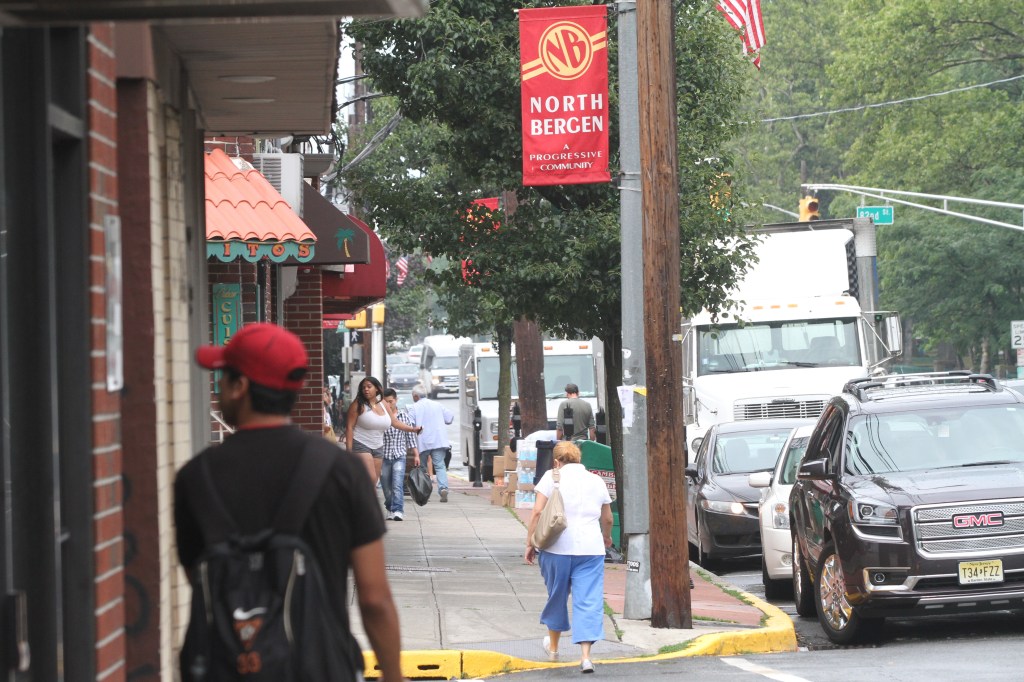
439 364
799 334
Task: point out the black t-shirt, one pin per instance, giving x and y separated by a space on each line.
251 470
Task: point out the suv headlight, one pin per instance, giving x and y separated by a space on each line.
875 521
872 513
723 507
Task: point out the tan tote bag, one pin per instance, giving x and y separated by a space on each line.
552 518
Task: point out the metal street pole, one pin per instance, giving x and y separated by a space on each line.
635 517
670 594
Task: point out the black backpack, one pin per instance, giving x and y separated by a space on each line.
259 608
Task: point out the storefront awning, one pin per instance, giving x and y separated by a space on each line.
364 285
247 218
339 240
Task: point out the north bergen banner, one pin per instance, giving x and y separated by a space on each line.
564 56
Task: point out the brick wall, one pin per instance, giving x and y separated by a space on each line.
108 518
242 145
303 315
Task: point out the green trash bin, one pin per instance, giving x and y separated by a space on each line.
597 457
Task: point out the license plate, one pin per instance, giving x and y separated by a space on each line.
973 572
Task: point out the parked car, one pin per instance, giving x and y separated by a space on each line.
773 514
403 376
909 500
721 505
414 354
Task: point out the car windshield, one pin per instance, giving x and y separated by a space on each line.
756 347
927 439
742 453
404 368
794 453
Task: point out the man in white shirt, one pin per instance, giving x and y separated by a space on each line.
434 443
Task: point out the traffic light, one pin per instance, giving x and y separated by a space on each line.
358 321
809 209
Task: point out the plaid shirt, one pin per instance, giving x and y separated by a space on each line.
397 442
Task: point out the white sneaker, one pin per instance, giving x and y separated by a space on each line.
397 516
389 517
546 643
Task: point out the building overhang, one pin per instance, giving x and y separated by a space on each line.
77 11
364 285
340 239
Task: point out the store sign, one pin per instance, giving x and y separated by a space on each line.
253 252
227 315
564 72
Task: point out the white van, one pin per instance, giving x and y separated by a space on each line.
439 364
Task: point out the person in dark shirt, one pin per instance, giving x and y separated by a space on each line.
262 368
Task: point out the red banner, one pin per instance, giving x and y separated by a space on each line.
564 57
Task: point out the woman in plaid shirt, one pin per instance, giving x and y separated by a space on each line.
396 445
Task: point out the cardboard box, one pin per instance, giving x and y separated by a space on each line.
497 495
499 467
511 480
525 487
510 458
508 498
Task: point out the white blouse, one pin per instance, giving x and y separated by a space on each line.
583 495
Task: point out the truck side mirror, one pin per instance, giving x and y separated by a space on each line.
894 334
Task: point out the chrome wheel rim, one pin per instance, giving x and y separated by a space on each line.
832 594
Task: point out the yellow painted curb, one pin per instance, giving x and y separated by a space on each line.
776 635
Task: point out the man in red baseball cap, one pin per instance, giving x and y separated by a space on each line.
263 367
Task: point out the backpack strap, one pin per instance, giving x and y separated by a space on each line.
304 488
213 516
216 522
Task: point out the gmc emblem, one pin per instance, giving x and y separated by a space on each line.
978 520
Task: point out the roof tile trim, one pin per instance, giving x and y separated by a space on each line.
243 205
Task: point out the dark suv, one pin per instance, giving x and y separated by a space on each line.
910 501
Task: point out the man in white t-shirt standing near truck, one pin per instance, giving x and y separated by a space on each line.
433 439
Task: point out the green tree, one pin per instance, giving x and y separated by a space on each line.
408 304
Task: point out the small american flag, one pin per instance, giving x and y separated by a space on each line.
745 17
402 264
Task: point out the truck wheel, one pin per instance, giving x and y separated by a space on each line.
841 623
803 590
773 589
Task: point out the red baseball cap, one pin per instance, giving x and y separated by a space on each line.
269 355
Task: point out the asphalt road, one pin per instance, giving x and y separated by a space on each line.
953 648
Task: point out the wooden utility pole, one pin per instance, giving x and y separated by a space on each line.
670 594
533 405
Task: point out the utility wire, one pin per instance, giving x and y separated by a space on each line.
891 102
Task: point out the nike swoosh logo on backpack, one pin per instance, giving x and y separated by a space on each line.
239 614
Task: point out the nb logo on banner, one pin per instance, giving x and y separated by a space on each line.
566 51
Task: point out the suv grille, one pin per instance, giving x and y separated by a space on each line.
995 527
778 408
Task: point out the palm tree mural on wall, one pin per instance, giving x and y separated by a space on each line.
342 236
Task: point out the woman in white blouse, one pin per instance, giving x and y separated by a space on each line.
575 562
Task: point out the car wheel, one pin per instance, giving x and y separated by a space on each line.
841 623
706 561
773 589
433 395
802 588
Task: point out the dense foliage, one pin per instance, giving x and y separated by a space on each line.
958 283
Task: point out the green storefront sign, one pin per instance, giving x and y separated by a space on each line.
227 315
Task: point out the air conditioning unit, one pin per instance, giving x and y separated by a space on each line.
284 171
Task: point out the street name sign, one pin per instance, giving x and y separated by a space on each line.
1017 334
880 215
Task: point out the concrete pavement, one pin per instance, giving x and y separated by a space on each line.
470 607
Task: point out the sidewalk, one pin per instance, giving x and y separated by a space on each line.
470 607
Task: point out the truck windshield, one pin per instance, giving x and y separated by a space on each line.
487 379
927 439
755 347
560 370
445 362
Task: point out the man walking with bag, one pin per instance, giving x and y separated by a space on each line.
434 443
268 524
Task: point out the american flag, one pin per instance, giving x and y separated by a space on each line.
745 17
402 264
